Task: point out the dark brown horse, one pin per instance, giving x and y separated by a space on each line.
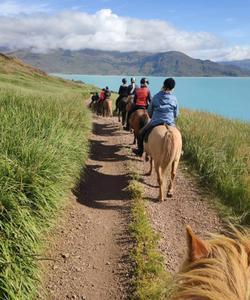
122 104
137 120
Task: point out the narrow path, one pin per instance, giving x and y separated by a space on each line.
90 247
190 205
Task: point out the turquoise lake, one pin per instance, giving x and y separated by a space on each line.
225 96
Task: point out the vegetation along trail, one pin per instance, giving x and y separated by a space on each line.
89 250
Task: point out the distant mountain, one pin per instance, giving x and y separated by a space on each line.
90 61
243 64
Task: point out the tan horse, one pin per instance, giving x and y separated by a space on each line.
164 148
216 269
137 120
107 108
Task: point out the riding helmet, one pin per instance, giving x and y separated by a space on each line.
132 79
144 81
124 80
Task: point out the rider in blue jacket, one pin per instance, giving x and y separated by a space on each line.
163 109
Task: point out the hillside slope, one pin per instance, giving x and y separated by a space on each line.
243 64
89 61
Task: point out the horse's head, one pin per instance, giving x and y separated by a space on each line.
217 268
201 249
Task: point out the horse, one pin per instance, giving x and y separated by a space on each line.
164 147
137 120
122 103
215 269
107 108
129 102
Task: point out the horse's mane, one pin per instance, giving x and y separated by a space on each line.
223 275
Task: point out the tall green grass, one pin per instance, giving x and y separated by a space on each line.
220 150
44 130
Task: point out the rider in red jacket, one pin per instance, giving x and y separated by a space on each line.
141 99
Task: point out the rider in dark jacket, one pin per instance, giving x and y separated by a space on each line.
141 99
123 92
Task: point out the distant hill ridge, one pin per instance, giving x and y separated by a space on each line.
243 64
99 62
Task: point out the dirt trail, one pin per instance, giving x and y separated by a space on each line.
91 244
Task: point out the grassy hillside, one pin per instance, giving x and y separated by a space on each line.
43 147
220 150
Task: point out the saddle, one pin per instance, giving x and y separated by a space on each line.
150 129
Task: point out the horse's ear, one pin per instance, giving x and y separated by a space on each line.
197 248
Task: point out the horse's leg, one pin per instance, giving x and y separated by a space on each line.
160 182
151 165
134 142
123 116
172 177
119 115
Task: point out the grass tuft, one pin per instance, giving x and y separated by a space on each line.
151 281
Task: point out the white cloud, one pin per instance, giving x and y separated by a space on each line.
103 30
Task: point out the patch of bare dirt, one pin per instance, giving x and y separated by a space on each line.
90 247
190 205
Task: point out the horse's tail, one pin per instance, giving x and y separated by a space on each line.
143 120
168 149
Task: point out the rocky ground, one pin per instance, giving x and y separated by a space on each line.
89 249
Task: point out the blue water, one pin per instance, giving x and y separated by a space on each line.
225 96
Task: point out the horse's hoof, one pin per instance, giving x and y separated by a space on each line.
169 194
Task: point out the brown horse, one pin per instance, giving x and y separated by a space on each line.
164 148
137 120
129 103
107 108
215 269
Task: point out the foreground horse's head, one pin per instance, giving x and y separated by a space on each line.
216 269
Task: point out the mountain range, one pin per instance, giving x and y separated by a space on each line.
243 64
89 61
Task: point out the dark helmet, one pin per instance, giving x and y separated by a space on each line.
144 80
124 80
132 79
169 83
107 87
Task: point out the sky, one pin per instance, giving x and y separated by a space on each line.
216 30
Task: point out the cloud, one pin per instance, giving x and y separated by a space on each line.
103 30
8 8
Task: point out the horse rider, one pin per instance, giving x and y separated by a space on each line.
94 99
123 92
163 109
141 99
132 87
107 93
